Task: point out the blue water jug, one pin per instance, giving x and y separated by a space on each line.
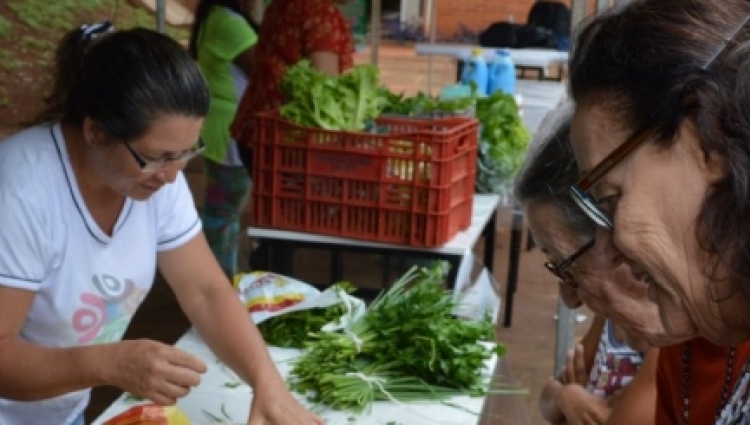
502 73
475 69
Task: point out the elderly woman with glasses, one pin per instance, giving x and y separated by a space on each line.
662 134
696 369
591 388
93 201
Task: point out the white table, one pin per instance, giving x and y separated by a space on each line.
218 396
539 59
548 94
457 251
532 58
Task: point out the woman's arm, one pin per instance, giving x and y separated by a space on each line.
245 61
30 372
581 407
590 342
636 404
326 62
208 300
213 307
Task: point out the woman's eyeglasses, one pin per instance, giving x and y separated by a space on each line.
154 165
560 270
580 190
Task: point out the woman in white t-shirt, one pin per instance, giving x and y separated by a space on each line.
93 200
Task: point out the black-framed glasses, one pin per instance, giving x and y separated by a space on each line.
154 165
580 190
560 270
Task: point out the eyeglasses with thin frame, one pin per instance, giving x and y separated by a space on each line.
580 190
560 270
154 165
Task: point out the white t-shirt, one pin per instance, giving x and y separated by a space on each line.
88 285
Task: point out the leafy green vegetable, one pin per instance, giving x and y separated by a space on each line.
407 346
425 105
503 142
132 397
292 330
349 101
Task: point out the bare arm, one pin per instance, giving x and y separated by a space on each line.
207 298
580 407
590 341
245 61
32 372
637 402
326 62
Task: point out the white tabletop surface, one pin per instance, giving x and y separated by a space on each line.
548 94
537 58
484 206
215 396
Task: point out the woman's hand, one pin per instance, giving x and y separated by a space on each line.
580 407
153 370
575 369
548 402
274 405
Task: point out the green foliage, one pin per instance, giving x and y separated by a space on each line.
58 14
407 346
36 26
503 142
292 330
8 62
5 27
425 105
348 101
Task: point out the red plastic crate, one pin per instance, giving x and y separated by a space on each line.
410 182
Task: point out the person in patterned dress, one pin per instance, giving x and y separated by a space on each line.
292 30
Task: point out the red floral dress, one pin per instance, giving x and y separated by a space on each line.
291 31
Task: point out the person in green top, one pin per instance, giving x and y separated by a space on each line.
222 41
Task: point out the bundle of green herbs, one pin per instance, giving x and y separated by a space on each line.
349 101
292 330
407 346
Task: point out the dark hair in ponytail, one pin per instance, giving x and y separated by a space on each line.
123 81
201 14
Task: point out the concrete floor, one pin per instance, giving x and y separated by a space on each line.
529 341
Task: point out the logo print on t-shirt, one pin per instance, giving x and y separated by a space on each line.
106 313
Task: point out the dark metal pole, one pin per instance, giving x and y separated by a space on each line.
161 13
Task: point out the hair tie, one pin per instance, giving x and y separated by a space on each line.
90 31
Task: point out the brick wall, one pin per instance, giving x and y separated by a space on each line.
479 14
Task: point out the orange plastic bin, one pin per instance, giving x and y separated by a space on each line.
411 181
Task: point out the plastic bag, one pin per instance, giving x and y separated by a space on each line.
267 295
150 414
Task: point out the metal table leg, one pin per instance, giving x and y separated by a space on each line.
490 236
515 252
